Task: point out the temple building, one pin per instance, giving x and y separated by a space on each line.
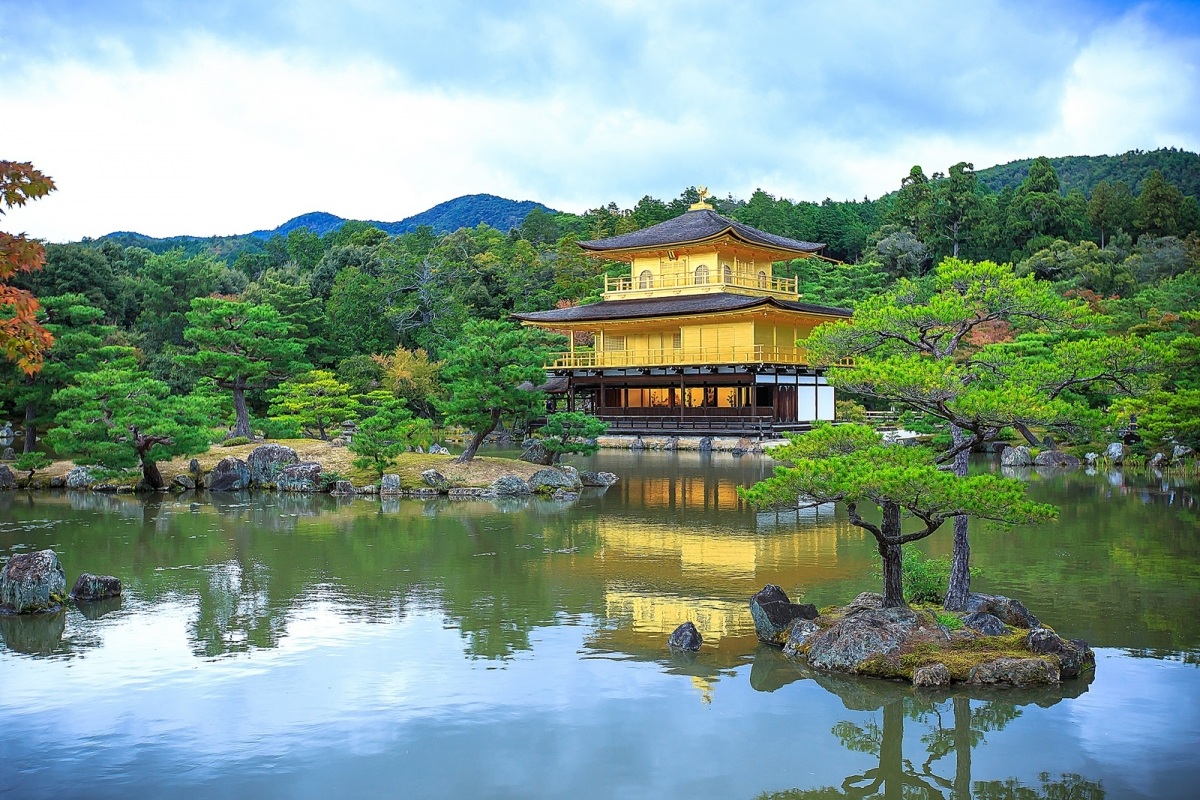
700 338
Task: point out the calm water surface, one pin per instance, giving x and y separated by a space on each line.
276 646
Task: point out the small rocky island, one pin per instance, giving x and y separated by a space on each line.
997 641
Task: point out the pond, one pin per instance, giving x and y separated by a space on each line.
276 646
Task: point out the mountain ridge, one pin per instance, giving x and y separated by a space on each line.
467 210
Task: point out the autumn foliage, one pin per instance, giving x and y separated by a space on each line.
22 339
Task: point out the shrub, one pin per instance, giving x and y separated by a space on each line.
849 411
234 441
950 621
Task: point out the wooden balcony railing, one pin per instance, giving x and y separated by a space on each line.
701 356
630 286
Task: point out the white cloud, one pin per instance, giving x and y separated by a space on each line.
380 113
1131 87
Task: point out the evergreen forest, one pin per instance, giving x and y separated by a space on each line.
252 328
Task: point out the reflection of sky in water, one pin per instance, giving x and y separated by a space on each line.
344 705
300 646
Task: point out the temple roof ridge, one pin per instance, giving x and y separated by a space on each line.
695 226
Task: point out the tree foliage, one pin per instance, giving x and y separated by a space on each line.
23 340
241 346
492 374
118 416
314 402
914 346
851 464
388 431
571 432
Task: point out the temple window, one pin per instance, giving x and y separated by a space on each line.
646 279
763 280
727 274
701 274
614 343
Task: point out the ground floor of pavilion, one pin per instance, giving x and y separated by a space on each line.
757 400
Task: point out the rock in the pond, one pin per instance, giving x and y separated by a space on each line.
1115 452
267 461
601 479
857 638
1091 458
705 445
32 582
389 484
79 478
1016 457
535 452
1009 611
931 675
1180 451
1157 460
564 496
685 637
547 481
1014 672
90 588
436 449
7 479
1074 657
183 483
302 477
342 488
510 485
58 482
802 631
774 613
985 623
1056 458
229 475
9 454
435 479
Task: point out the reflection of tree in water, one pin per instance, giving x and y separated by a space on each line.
235 612
956 720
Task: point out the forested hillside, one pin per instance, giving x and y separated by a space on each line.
1084 172
359 310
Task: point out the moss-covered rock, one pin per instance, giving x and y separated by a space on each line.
916 644
32 582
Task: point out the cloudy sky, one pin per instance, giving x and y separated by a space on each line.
224 116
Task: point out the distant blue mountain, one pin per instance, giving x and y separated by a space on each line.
461 212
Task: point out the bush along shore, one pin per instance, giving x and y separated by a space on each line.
995 641
308 466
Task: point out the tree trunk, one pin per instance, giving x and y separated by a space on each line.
960 565
242 426
30 427
478 438
150 474
893 562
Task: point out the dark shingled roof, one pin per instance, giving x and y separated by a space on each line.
671 307
697 226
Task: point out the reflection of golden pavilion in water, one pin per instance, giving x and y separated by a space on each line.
666 571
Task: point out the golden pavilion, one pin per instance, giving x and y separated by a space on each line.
701 337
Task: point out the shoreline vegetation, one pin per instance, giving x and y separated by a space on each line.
337 463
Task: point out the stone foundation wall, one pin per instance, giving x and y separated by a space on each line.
721 444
